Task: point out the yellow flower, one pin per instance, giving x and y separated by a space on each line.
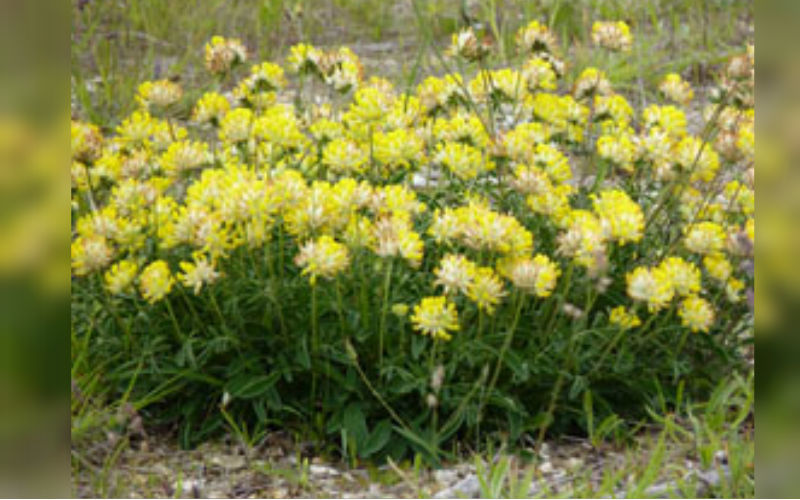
519 142
667 118
90 253
485 289
535 275
342 69
696 313
400 310
704 237
455 273
120 277
750 229
538 75
531 180
463 160
235 126
623 318
359 232
740 197
410 246
183 156
396 199
621 217
322 257
210 108
304 58
198 273
674 88
618 149
698 158
344 156
650 285
222 54
465 44
612 107
554 162
684 276
435 316
583 240
436 94
87 142
159 94
592 82
399 148
394 237
717 266
535 37
732 289
135 130
503 85
612 35
156 281
461 127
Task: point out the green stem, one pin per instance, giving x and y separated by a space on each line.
314 342
560 300
178 332
340 307
387 281
501 356
217 309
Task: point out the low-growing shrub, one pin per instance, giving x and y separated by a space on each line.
391 272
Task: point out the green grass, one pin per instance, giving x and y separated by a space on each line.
715 437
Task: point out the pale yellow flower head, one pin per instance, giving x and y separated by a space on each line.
435 316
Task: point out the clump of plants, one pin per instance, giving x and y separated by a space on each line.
386 272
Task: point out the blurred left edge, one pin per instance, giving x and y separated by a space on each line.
34 257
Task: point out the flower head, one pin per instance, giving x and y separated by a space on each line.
90 253
623 318
620 216
455 273
536 276
435 316
485 289
222 54
198 273
684 276
158 94
612 35
121 276
696 313
717 266
676 89
704 238
156 281
650 285
322 257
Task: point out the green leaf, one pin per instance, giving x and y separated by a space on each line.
377 439
355 423
417 345
248 386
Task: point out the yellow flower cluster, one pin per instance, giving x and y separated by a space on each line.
612 35
496 153
435 316
322 257
676 89
222 54
623 318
